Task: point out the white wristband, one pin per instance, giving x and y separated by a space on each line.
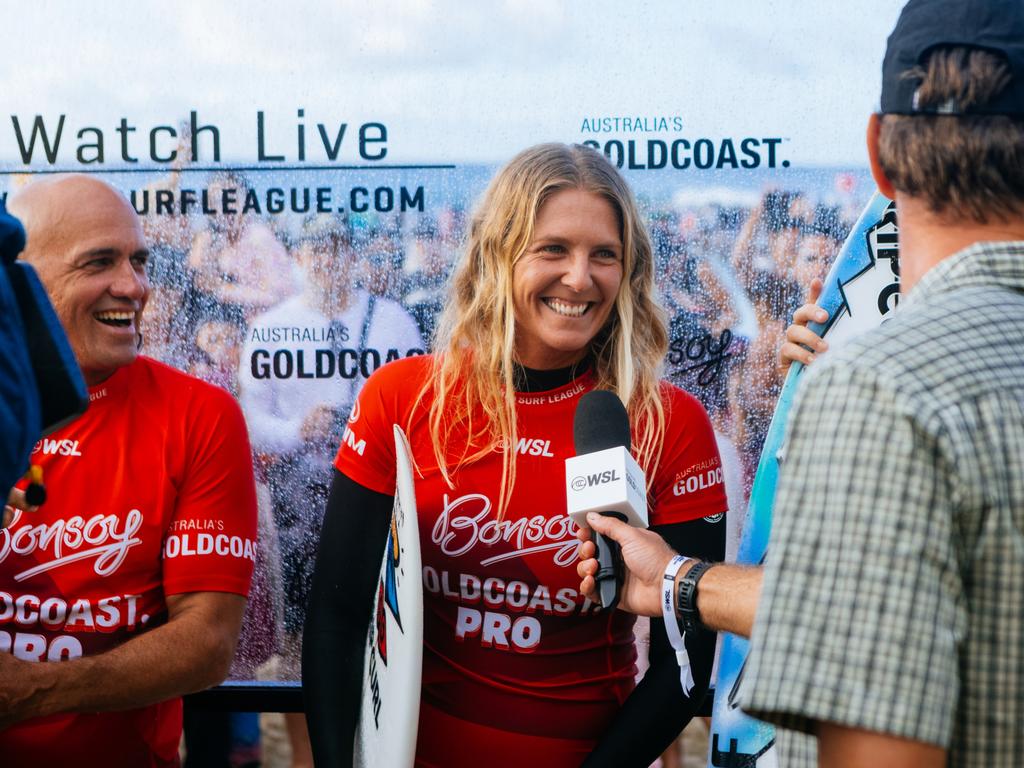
668 613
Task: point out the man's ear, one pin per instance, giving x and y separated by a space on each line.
874 130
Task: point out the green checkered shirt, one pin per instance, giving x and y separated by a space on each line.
894 590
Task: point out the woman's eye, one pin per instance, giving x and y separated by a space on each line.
606 256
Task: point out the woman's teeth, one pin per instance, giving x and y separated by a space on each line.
566 308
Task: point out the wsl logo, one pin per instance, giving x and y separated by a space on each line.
57 447
581 482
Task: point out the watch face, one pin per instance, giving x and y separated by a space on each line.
686 599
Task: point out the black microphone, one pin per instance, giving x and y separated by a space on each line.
604 478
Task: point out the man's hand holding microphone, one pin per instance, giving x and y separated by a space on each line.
725 602
621 562
644 553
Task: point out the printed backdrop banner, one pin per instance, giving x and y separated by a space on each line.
305 174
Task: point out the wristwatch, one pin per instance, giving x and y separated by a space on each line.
686 597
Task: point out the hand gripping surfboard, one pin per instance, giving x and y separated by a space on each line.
860 292
393 663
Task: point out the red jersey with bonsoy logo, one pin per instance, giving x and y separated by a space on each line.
150 493
519 667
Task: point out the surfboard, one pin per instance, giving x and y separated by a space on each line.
860 292
393 662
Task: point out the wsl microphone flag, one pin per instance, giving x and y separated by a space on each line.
604 478
606 481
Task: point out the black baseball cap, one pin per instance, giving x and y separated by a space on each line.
993 25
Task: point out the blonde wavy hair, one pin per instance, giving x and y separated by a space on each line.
472 379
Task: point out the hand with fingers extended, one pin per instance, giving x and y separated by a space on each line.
645 555
801 343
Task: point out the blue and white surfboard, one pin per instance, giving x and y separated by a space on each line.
860 292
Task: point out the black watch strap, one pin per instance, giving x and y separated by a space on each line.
686 598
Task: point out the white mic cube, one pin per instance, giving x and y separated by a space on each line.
606 481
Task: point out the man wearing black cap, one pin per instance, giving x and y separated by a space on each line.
891 616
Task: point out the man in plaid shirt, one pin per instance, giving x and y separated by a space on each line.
891 616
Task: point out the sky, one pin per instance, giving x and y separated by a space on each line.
464 81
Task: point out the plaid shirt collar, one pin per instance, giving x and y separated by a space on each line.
998 263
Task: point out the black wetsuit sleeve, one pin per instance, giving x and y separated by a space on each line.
352 543
657 709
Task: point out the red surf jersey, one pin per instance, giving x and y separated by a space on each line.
150 493
518 666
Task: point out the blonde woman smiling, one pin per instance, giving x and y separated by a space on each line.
553 297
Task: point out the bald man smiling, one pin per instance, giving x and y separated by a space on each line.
127 588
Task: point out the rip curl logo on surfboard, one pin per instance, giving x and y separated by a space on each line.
869 295
387 593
